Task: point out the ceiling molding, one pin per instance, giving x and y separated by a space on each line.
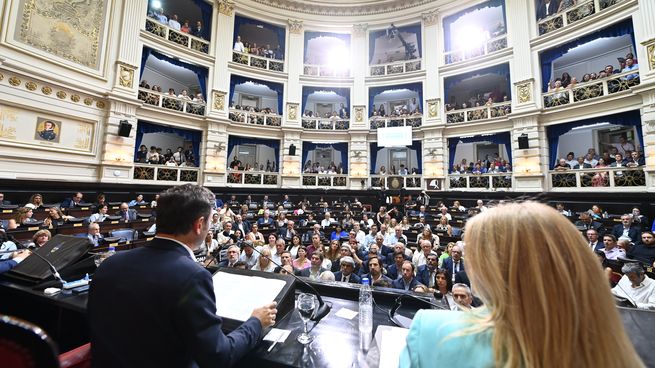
344 7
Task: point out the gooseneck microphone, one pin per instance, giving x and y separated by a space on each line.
404 321
323 308
53 269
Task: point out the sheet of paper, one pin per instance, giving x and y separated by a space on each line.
346 313
392 342
277 334
237 295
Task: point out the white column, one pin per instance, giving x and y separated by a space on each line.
522 66
431 87
129 47
294 65
359 70
219 83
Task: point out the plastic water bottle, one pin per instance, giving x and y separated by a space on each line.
365 315
111 251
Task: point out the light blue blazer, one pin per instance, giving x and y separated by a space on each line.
429 343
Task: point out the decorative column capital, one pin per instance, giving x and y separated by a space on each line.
292 111
295 26
524 90
430 18
650 52
433 107
359 30
125 77
226 7
359 113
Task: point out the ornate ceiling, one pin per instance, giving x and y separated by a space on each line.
344 7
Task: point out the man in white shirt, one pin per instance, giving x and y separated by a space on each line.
635 286
238 45
327 221
174 23
421 258
359 234
589 159
161 17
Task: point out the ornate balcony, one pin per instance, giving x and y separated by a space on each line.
255 118
491 45
413 121
500 181
325 123
325 71
161 173
573 14
185 39
487 112
603 178
259 62
396 181
324 180
253 177
397 67
169 102
592 89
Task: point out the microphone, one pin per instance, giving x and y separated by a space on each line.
402 321
323 308
53 269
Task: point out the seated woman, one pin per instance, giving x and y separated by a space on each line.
101 215
443 226
24 216
55 217
40 238
264 262
36 201
255 236
427 235
527 322
301 262
600 178
338 233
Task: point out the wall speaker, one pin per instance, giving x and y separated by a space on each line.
292 150
523 141
124 128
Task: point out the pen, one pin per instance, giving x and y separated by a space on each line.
272 346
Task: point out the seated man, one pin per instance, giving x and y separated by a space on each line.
612 250
407 282
315 270
327 221
462 296
138 201
346 274
421 257
562 165
126 213
266 220
375 275
627 229
636 286
644 251
232 257
288 232
248 255
93 234
426 273
394 270
585 223
76 200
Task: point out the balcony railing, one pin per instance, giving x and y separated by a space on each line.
396 181
165 173
607 177
489 46
171 102
397 67
379 122
256 118
252 177
573 14
325 71
497 110
592 89
258 61
502 181
192 42
324 180
325 123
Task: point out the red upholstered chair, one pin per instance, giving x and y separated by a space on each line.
25 345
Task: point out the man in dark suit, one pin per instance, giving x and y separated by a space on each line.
547 8
93 234
592 238
315 270
626 229
407 281
73 201
3 202
232 257
425 273
287 232
241 224
375 276
159 294
454 263
585 222
346 274
126 213
197 30
393 271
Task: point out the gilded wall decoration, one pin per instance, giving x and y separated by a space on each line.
88 101
359 114
47 90
14 81
61 94
219 100
2 76
226 7
38 130
125 77
31 86
524 91
100 105
430 18
73 30
433 108
651 56
292 111
75 98
295 26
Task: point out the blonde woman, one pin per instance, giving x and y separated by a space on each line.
444 227
537 300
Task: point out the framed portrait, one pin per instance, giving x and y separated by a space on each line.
47 130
